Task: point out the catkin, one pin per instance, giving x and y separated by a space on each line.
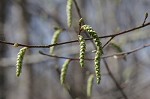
82 49
69 12
20 57
118 49
116 46
99 51
55 39
64 71
89 85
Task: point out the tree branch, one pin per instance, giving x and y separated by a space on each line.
115 81
47 46
104 56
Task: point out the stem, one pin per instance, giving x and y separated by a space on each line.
115 81
47 46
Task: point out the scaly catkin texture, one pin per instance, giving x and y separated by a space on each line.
64 71
89 85
20 57
69 12
82 49
99 51
55 39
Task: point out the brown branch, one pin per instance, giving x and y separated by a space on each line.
114 79
146 16
62 57
128 52
107 42
80 16
47 46
104 56
78 10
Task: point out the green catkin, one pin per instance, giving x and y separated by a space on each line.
82 49
117 48
55 39
69 12
89 85
80 21
64 71
99 51
20 57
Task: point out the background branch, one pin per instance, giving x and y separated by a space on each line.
114 80
104 56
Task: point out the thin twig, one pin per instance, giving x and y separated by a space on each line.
62 57
146 16
104 56
128 52
47 46
78 10
115 81
107 42
80 16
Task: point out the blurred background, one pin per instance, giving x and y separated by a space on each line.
32 22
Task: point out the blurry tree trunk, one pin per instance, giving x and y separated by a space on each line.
16 30
28 69
2 47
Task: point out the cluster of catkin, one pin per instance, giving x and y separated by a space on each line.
82 44
99 51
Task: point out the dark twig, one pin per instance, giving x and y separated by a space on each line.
107 42
128 52
78 10
47 46
146 16
62 57
115 81
105 56
80 16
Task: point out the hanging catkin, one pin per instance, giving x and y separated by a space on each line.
99 51
20 57
64 71
69 12
82 49
55 39
89 85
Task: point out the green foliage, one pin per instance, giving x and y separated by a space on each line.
99 51
82 49
20 61
64 71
